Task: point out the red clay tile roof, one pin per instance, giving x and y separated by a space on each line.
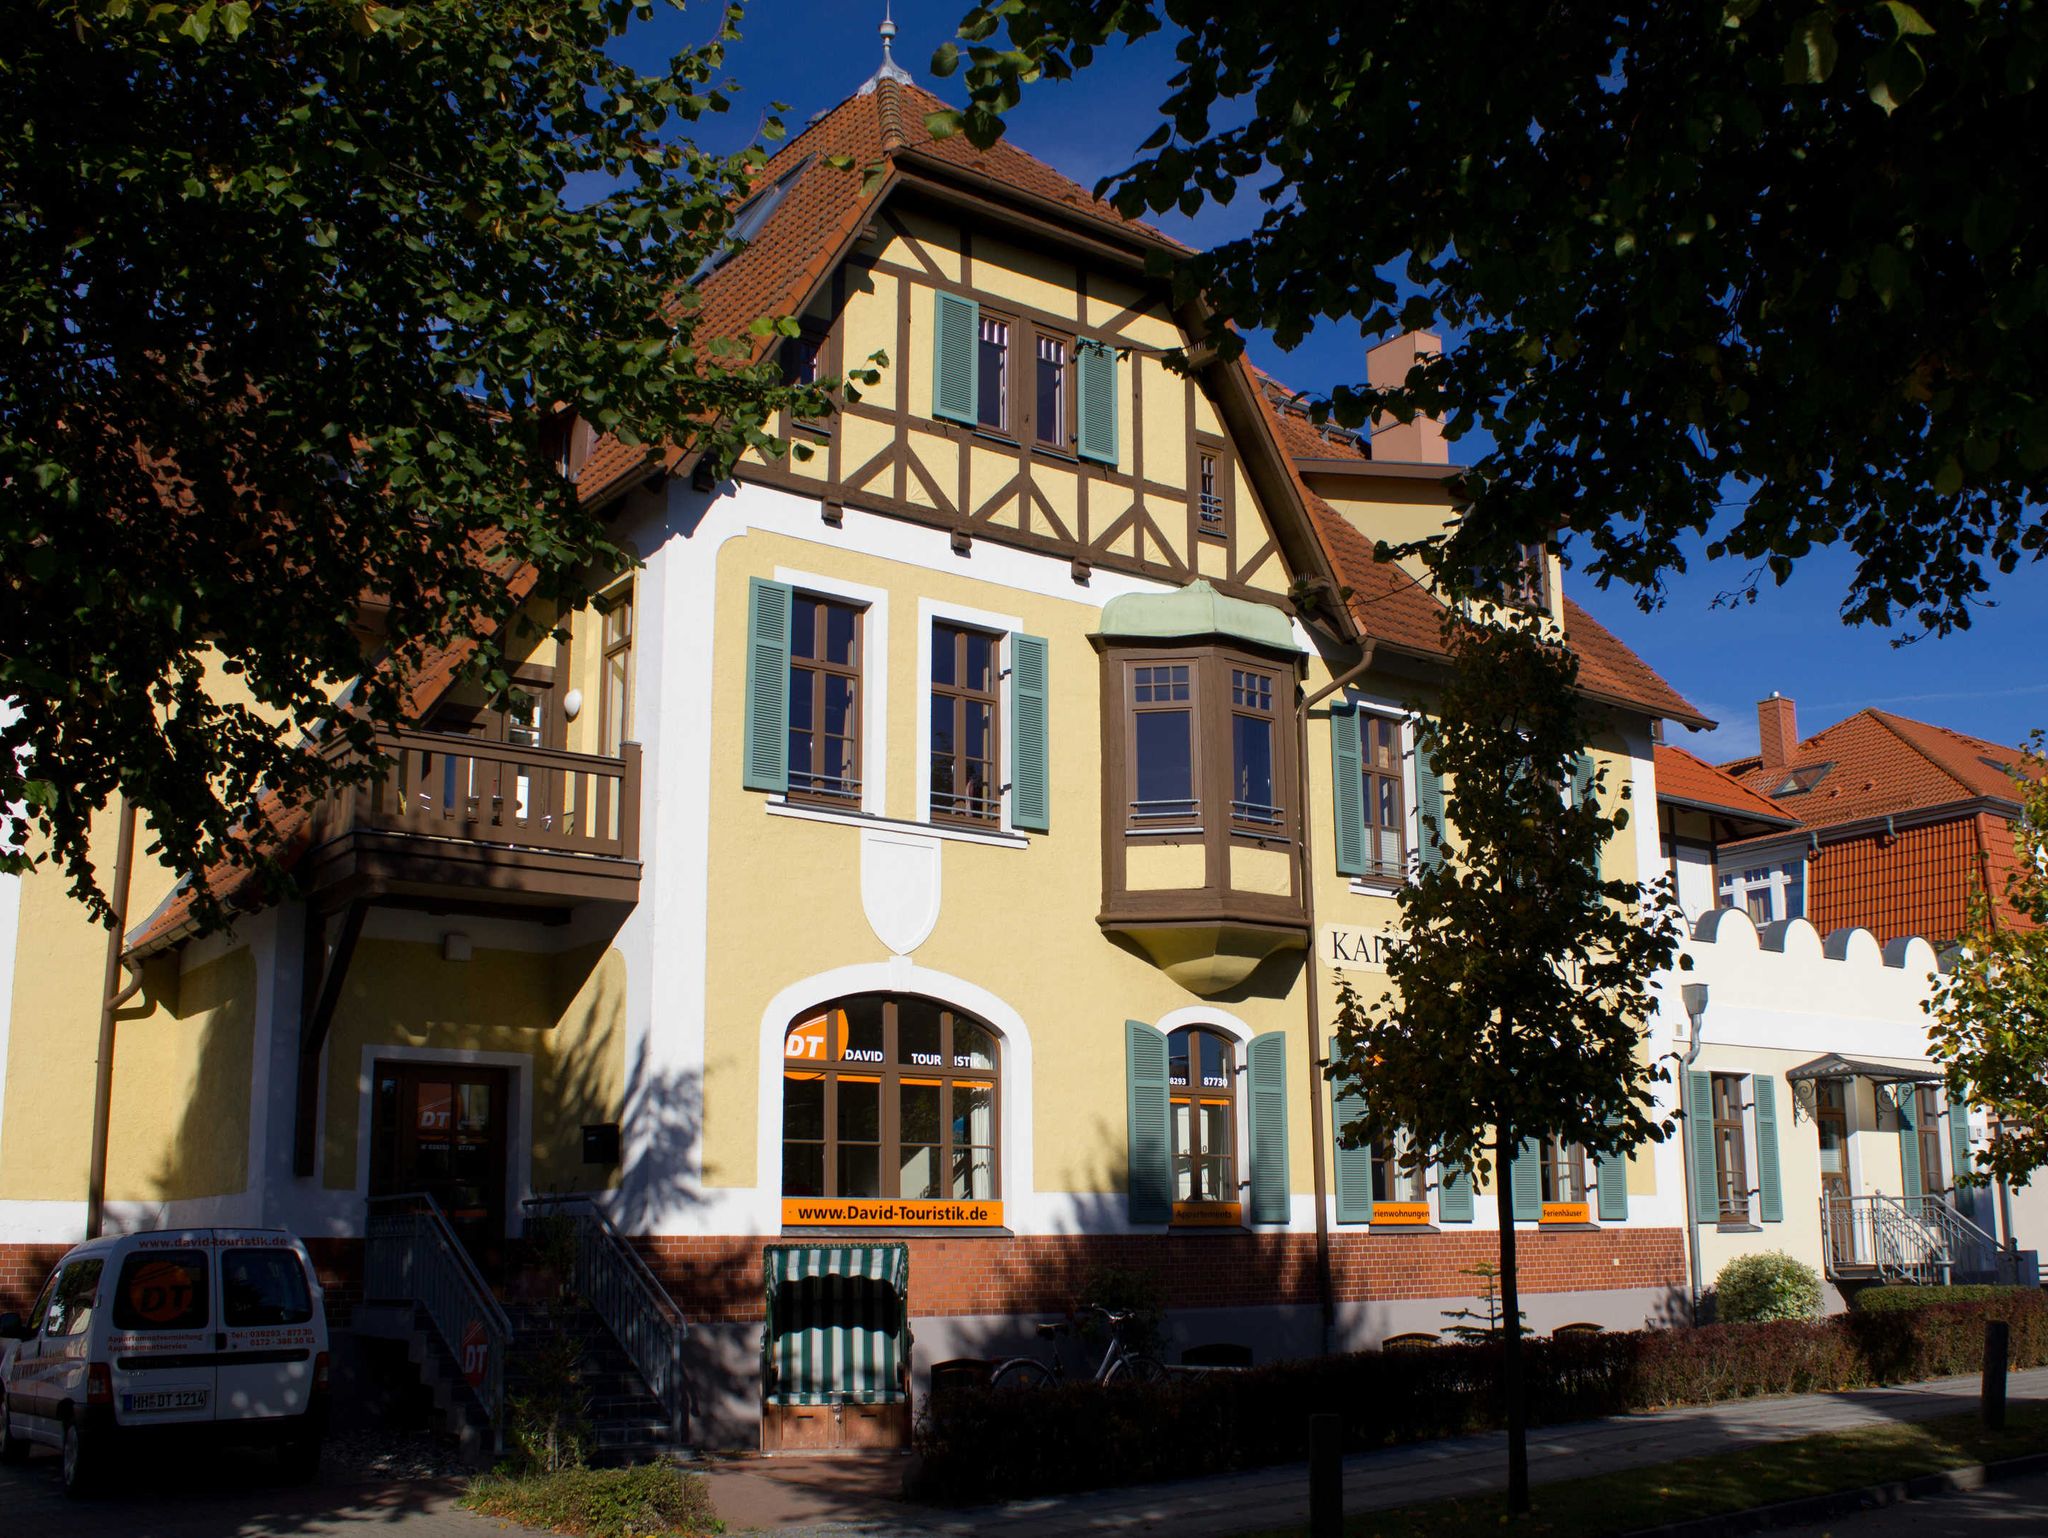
1682 776
1609 670
1883 765
1915 883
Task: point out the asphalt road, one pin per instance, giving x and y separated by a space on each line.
227 1494
2015 1510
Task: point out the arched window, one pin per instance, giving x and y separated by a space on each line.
886 1096
1201 1081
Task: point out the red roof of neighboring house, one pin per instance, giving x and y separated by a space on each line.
1685 777
1876 764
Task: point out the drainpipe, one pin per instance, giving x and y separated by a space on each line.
1316 1060
110 1003
1695 995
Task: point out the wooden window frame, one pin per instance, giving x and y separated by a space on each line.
1243 815
1389 1182
1927 1116
1556 1156
824 365
1192 1096
1372 777
1062 443
1217 452
960 697
1210 663
615 701
1011 410
849 793
1728 1107
891 1074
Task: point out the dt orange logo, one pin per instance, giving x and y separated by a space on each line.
161 1291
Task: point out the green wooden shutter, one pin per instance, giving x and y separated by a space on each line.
1353 1165
1095 367
1266 1081
1151 1125
956 336
1912 1181
765 737
1583 771
1611 1172
1030 757
1770 1195
1699 1130
1526 1171
1347 778
1429 807
1453 1195
1958 1139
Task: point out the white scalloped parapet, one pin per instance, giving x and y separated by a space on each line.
1789 966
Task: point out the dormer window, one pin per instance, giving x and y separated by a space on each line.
1800 781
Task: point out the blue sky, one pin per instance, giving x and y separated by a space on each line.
1992 680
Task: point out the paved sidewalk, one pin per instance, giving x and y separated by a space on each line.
754 1494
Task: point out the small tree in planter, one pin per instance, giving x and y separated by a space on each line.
1519 985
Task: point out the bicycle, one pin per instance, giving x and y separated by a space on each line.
1120 1364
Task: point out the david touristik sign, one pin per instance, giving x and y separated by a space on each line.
1346 949
889 1212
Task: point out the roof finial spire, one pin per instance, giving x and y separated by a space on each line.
890 69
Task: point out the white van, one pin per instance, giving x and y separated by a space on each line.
215 1332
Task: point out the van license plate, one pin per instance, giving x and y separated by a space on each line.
166 1399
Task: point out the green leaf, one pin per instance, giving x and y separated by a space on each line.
1811 51
1890 273
1906 22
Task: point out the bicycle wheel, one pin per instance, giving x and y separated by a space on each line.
1021 1372
1137 1368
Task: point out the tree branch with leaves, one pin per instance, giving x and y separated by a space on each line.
1519 981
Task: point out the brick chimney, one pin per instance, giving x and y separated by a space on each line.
1422 440
1777 729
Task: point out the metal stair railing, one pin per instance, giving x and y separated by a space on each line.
612 1278
1921 1239
413 1256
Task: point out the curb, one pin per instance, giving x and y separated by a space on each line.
1842 1503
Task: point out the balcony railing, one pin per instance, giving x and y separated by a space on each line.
500 793
1919 1239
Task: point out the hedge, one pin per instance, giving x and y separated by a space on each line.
978 1444
1893 1296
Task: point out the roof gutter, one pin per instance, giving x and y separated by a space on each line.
1893 822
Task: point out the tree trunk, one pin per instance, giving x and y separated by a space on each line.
1511 1343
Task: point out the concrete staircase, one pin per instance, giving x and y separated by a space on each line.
627 1421
455 1403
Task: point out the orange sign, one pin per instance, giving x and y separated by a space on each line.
887 1212
1400 1214
161 1291
436 1109
810 1041
1566 1212
1207 1214
475 1353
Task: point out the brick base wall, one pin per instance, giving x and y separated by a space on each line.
718 1279
23 1270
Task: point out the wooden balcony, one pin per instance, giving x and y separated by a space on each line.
461 825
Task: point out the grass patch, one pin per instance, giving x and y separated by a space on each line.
651 1501
1756 1475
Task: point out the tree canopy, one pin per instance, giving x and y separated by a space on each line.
1765 273
295 294
1990 1009
1519 981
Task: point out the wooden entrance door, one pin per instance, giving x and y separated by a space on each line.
440 1128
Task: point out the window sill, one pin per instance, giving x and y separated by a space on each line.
1377 886
1559 1228
1738 1228
806 812
1396 1229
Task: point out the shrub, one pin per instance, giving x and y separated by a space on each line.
651 1501
1752 1289
976 1444
1891 1297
